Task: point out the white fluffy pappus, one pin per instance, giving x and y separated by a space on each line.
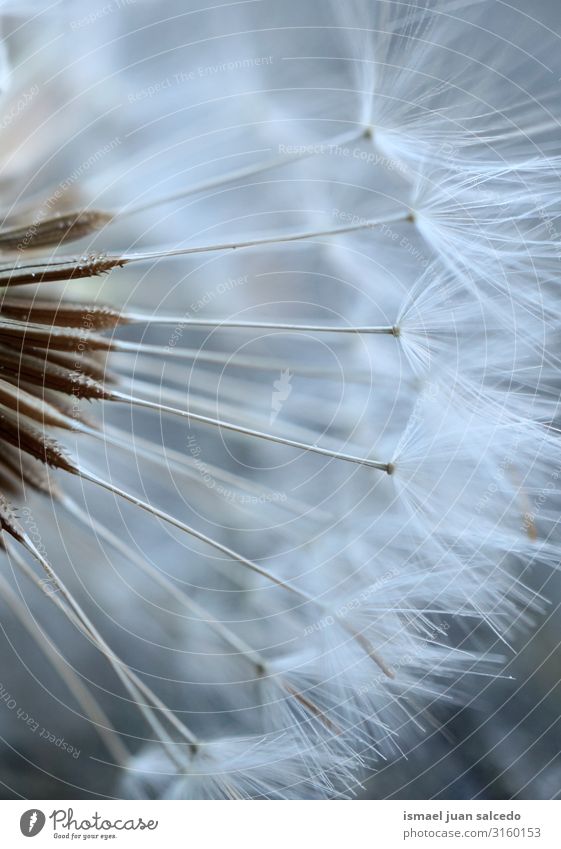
330 450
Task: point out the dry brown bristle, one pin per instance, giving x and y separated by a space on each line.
39 371
27 470
8 518
28 404
68 268
60 314
90 365
52 231
57 338
20 432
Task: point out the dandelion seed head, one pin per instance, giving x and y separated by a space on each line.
283 343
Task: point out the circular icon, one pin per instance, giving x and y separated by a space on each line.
31 822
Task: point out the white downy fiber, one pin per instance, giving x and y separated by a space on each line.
343 515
